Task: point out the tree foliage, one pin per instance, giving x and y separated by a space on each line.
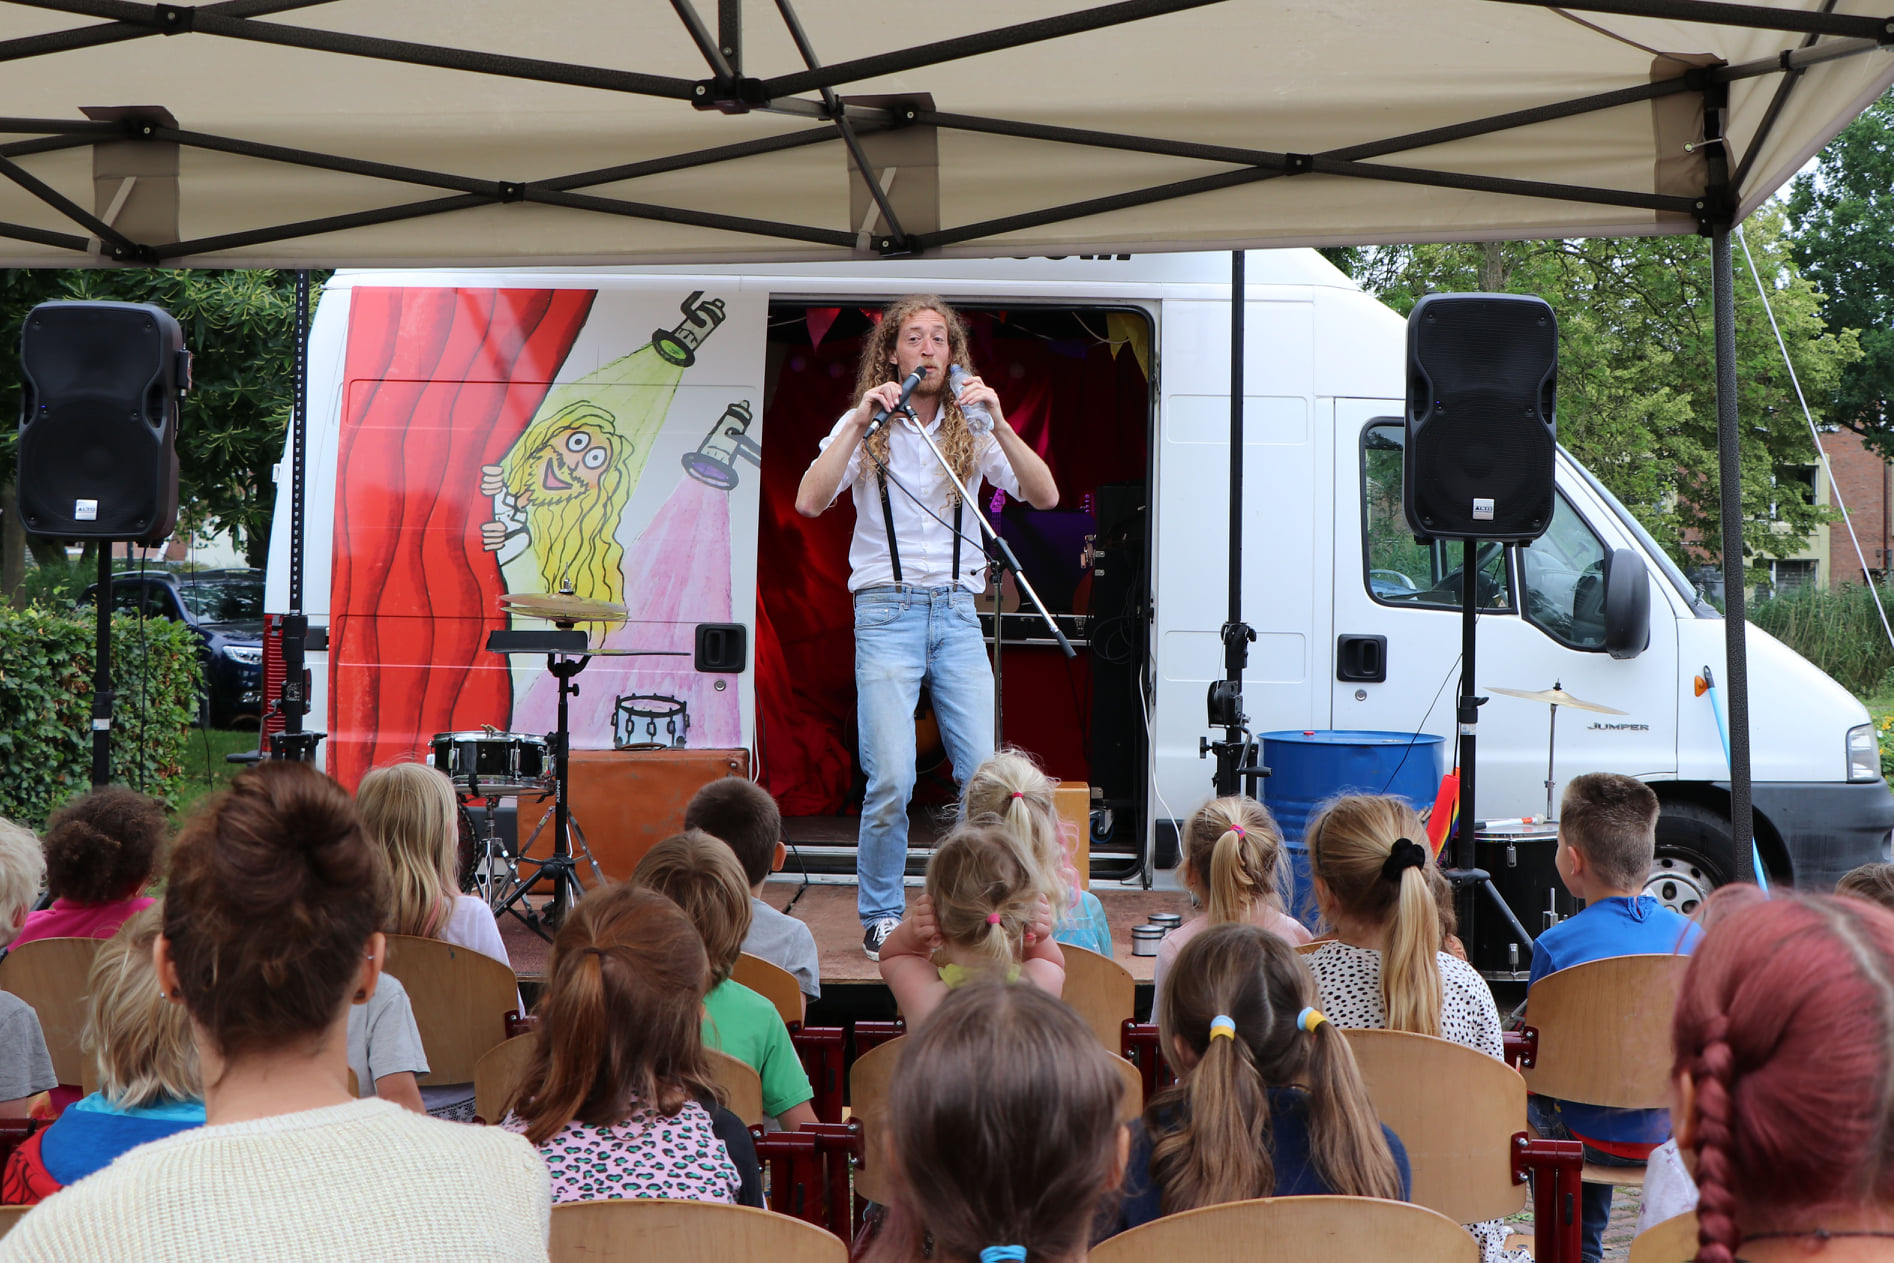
1843 217
1637 393
240 327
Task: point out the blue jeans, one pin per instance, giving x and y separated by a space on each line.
1594 1199
904 637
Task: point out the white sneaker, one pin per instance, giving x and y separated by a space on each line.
874 935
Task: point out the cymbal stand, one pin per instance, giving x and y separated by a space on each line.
1551 743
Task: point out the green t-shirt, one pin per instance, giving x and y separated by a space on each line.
743 1024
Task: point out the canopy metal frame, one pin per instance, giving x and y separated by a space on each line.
1826 36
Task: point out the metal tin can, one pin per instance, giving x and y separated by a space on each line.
1145 938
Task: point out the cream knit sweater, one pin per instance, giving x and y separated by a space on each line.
366 1180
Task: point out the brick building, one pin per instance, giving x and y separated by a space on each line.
1866 483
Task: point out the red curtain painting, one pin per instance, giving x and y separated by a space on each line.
438 383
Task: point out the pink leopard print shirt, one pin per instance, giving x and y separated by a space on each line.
647 1155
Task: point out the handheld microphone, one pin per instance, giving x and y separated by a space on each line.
979 420
907 388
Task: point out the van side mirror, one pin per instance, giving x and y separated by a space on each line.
1627 604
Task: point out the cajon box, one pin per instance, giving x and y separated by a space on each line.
627 801
1073 802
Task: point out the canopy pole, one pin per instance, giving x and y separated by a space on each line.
1730 490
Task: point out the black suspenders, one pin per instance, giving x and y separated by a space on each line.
887 522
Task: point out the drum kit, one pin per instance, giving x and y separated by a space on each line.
1495 942
491 765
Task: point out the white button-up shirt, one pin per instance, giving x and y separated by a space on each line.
927 546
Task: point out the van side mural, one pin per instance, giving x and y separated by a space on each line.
519 458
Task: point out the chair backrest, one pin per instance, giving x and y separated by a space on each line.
648 1230
868 1081
773 983
460 998
1604 1031
50 974
498 1072
10 1215
1102 990
1671 1241
1304 949
1132 1103
1296 1230
1456 1110
742 1086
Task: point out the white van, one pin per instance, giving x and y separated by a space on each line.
639 435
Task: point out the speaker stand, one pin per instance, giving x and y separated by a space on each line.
102 694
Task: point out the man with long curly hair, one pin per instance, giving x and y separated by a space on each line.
916 564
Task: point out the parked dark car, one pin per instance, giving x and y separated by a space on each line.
225 609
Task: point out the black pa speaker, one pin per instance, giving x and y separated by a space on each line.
99 420
1482 376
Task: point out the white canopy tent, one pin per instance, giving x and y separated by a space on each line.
295 133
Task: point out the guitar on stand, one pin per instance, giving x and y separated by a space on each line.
567 651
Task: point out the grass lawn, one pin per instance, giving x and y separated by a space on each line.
205 770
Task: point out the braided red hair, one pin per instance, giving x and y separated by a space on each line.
1786 1017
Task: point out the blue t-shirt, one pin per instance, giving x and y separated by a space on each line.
1288 1148
90 1134
1619 926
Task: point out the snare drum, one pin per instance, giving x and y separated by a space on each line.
492 764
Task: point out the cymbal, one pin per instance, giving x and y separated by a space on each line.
1557 697
562 607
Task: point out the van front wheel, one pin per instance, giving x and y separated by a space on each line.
1694 856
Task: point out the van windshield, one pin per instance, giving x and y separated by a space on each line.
1652 550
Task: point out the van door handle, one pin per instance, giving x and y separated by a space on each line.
1361 659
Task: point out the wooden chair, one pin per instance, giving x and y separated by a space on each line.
742 1086
1132 1104
1673 1241
10 1215
868 1081
645 1230
1101 990
1296 1230
773 983
1600 1035
1456 1110
498 1072
461 999
50 974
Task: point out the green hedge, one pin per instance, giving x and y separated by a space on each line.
46 707
1838 629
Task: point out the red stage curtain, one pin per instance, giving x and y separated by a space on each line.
438 383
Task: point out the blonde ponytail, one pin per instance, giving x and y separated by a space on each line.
983 893
1410 972
1010 789
1233 850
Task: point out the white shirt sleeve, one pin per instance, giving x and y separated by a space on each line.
851 474
994 468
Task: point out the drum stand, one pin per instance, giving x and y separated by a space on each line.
561 868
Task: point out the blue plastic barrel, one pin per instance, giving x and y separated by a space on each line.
1306 769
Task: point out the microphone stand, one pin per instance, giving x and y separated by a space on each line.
1003 552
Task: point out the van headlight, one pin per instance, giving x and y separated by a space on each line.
1864 754
252 655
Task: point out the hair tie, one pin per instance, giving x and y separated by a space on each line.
1309 1019
1223 1026
1403 855
1003 1254
593 951
992 918
1018 793
1237 829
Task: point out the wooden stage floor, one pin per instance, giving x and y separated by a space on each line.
829 911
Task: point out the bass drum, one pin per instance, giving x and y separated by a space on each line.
1521 860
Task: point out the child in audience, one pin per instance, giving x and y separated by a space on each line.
102 850
1873 882
1010 788
1375 884
26 1068
701 875
409 808
385 1046
1784 1051
147 1064
1268 1101
1232 853
1385 968
742 815
272 927
1003 1132
1607 841
619 1095
983 913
